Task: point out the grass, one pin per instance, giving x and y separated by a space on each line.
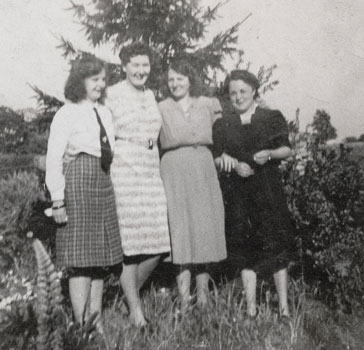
223 324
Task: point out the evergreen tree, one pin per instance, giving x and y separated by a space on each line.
173 28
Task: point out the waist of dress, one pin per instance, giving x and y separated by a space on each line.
193 145
147 143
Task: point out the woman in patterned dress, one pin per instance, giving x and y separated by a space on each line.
140 197
195 205
80 186
250 142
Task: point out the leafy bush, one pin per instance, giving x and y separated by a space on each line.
18 194
12 130
18 136
325 194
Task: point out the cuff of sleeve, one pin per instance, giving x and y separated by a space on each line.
57 196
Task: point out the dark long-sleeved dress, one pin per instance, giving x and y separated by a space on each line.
265 240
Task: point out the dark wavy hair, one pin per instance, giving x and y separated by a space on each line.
184 67
246 77
134 49
81 69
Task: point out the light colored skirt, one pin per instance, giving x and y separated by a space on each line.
195 206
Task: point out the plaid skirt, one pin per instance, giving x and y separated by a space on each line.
91 236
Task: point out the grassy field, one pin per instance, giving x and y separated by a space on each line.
224 324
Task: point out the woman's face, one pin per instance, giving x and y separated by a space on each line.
95 85
178 84
241 95
137 70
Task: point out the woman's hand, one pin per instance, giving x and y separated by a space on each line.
226 163
262 157
243 169
59 212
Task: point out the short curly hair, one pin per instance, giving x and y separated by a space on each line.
184 67
134 49
246 77
81 69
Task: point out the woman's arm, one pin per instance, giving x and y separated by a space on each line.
278 146
57 143
279 153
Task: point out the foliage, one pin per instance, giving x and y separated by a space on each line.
222 324
18 326
325 191
350 139
49 302
18 136
173 28
322 127
13 131
18 194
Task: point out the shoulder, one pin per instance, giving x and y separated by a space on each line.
268 114
65 117
68 110
273 119
168 103
206 101
114 90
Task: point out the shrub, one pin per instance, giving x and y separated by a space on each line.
19 192
325 191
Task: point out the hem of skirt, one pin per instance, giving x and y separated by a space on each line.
67 265
145 252
205 261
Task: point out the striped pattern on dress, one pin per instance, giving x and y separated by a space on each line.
140 196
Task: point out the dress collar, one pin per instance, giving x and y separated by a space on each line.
89 104
246 117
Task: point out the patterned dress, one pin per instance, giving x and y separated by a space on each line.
140 197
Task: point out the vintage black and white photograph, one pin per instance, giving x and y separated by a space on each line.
181 174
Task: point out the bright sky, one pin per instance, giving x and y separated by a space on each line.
318 46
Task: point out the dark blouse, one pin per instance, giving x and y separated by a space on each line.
267 130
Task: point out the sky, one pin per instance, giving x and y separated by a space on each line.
318 46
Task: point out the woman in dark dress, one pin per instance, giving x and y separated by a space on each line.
249 143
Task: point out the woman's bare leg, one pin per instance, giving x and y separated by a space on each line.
145 268
281 283
97 287
249 278
184 286
202 286
79 289
129 280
